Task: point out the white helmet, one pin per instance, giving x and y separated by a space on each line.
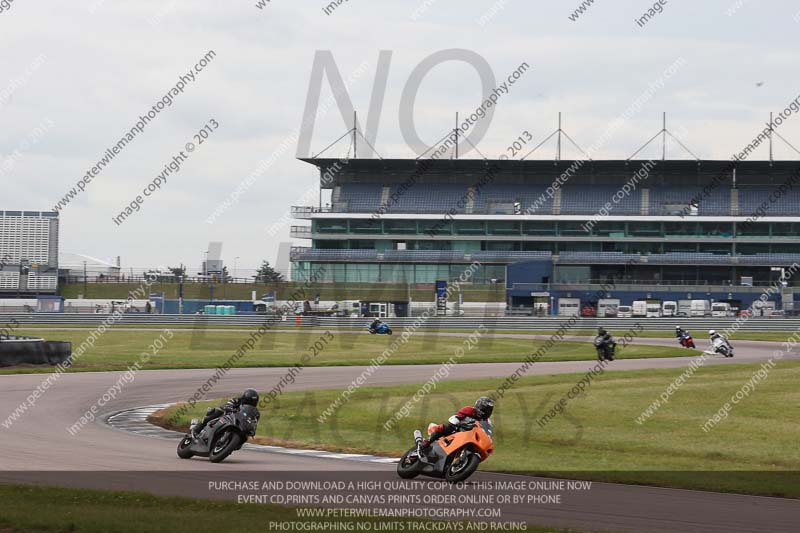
677 327
712 332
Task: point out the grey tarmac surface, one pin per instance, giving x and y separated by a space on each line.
38 448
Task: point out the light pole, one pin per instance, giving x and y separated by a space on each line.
84 279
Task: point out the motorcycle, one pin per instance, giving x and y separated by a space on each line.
722 346
605 350
686 340
222 436
454 457
381 329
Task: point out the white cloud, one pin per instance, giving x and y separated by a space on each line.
105 68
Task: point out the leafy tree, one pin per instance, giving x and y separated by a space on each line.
267 274
178 272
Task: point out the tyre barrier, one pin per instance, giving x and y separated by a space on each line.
33 351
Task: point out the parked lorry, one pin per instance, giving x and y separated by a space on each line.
607 307
640 308
701 308
653 309
669 308
721 309
568 306
684 308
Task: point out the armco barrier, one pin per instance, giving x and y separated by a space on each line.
510 323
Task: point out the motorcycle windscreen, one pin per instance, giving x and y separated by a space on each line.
250 412
488 427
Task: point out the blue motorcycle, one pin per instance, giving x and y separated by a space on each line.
380 329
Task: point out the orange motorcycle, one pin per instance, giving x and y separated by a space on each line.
454 457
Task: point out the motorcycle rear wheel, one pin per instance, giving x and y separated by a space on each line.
183 448
409 469
224 445
463 469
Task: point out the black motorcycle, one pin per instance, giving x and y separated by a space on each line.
222 436
605 348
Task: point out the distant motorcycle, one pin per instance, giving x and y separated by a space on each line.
453 457
686 340
380 329
605 349
222 436
722 346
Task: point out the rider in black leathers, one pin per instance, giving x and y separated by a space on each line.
608 340
249 397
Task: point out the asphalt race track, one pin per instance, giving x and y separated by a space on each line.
37 448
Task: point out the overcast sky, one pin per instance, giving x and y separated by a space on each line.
77 75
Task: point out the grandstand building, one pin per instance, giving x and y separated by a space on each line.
28 252
666 229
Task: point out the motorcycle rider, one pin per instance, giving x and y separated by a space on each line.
606 337
249 397
484 406
375 323
680 332
713 335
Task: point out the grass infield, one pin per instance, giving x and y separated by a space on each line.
700 335
116 349
753 451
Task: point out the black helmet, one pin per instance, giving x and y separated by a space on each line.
484 406
250 397
601 330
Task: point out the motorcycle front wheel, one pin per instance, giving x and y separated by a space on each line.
224 445
183 448
462 467
409 465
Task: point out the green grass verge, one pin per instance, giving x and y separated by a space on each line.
93 511
597 438
118 348
772 336
29 508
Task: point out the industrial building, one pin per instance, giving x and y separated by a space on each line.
28 252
